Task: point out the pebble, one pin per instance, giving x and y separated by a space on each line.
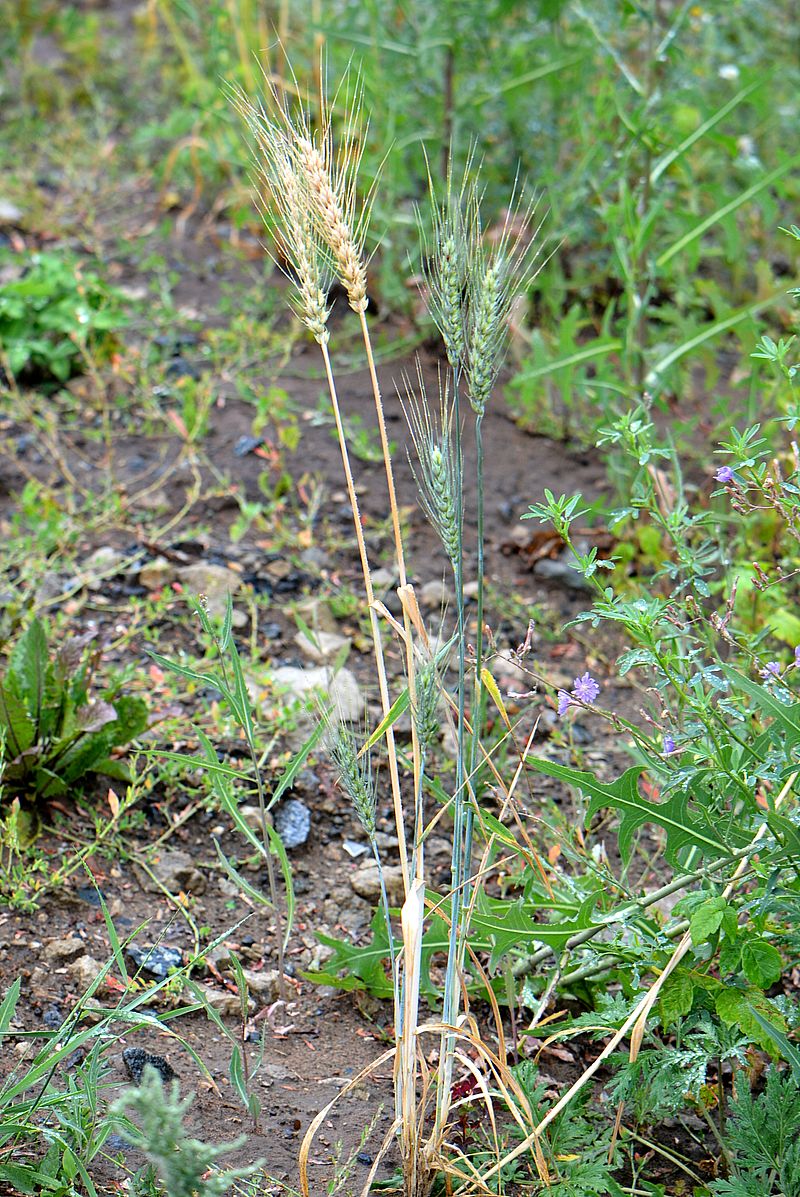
366 882
221 1000
105 560
435 594
176 871
263 984
9 212
324 648
136 1059
156 574
562 571
83 971
215 583
158 960
60 951
340 688
292 822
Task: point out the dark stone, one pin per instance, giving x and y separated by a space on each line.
88 893
364 1157
247 444
52 1018
158 961
293 823
136 1060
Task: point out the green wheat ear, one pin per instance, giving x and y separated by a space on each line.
435 469
354 774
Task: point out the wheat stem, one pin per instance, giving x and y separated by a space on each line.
380 663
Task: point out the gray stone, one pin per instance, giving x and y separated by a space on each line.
105 561
60 951
9 213
156 574
176 871
292 822
384 579
340 688
83 971
562 571
316 613
221 1000
263 984
325 647
435 594
214 583
366 882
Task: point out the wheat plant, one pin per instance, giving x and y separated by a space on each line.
306 187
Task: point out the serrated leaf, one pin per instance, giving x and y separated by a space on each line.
749 1009
683 830
676 997
786 716
707 919
761 963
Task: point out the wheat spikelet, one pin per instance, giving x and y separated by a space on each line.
281 198
333 205
435 471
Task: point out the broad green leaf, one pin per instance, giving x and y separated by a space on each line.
786 716
508 925
27 668
15 722
683 830
786 1048
742 1007
761 963
676 997
707 919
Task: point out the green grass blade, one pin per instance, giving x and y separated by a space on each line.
726 209
665 162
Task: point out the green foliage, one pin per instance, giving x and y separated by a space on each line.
56 311
764 1141
54 732
185 1166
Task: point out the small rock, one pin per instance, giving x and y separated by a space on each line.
106 561
384 579
156 574
9 213
215 583
366 882
316 614
221 1000
247 444
60 951
263 984
175 871
315 557
341 688
158 960
83 971
52 1018
562 571
471 589
435 594
136 1060
325 646
292 822
354 849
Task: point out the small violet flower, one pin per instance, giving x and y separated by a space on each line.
797 657
586 688
771 669
724 474
564 700
669 745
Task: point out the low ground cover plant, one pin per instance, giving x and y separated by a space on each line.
55 310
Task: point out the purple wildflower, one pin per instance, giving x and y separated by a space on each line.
669 745
797 657
771 669
564 701
724 474
586 688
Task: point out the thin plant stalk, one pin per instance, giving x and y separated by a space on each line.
383 684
